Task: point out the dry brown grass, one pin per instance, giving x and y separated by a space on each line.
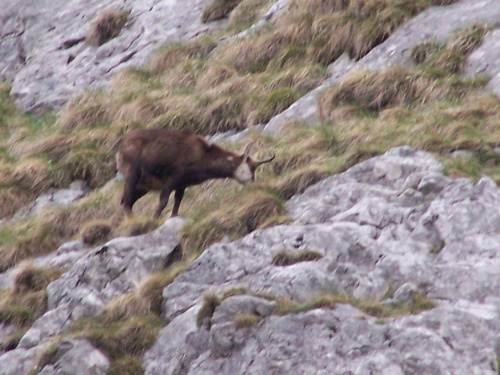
106 26
218 9
27 301
303 79
94 167
127 365
84 112
96 231
283 57
395 86
119 339
330 28
137 225
242 320
252 211
298 181
34 279
33 175
443 60
146 298
12 199
252 55
172 54
468 39
247 12
210 303
214 76
54 146
45 233
274 103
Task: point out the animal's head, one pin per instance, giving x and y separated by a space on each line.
245 172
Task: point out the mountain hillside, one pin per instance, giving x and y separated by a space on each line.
368 246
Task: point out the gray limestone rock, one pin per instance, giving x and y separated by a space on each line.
104 273
391 221
485 60
55 197
76 357
19 361
43 55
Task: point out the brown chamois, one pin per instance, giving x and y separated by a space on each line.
167 160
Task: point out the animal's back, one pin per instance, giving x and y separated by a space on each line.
160 147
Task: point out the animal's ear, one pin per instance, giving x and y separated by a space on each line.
246 153
207 146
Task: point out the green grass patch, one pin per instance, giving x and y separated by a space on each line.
376 309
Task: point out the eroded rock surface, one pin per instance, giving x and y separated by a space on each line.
75 357
394 221
101 275
43 55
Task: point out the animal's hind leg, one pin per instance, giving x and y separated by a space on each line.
179 193
130 191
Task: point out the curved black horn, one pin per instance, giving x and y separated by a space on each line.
259 162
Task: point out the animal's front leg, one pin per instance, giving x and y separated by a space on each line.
179 193
164 195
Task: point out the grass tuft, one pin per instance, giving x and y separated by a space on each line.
106 26
246 13
210 303
96 231
172 54
48 356
376 309
119 339
276 102
231 222
137 225
286 258
128 365
27 301
242 320
218 9
11 342
34 279
146 299
395 86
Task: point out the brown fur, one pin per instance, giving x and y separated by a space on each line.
166 160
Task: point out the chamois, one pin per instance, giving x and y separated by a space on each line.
167 160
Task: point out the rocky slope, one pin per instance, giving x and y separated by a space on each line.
392 222
43 53
376 226
435 24
392 228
